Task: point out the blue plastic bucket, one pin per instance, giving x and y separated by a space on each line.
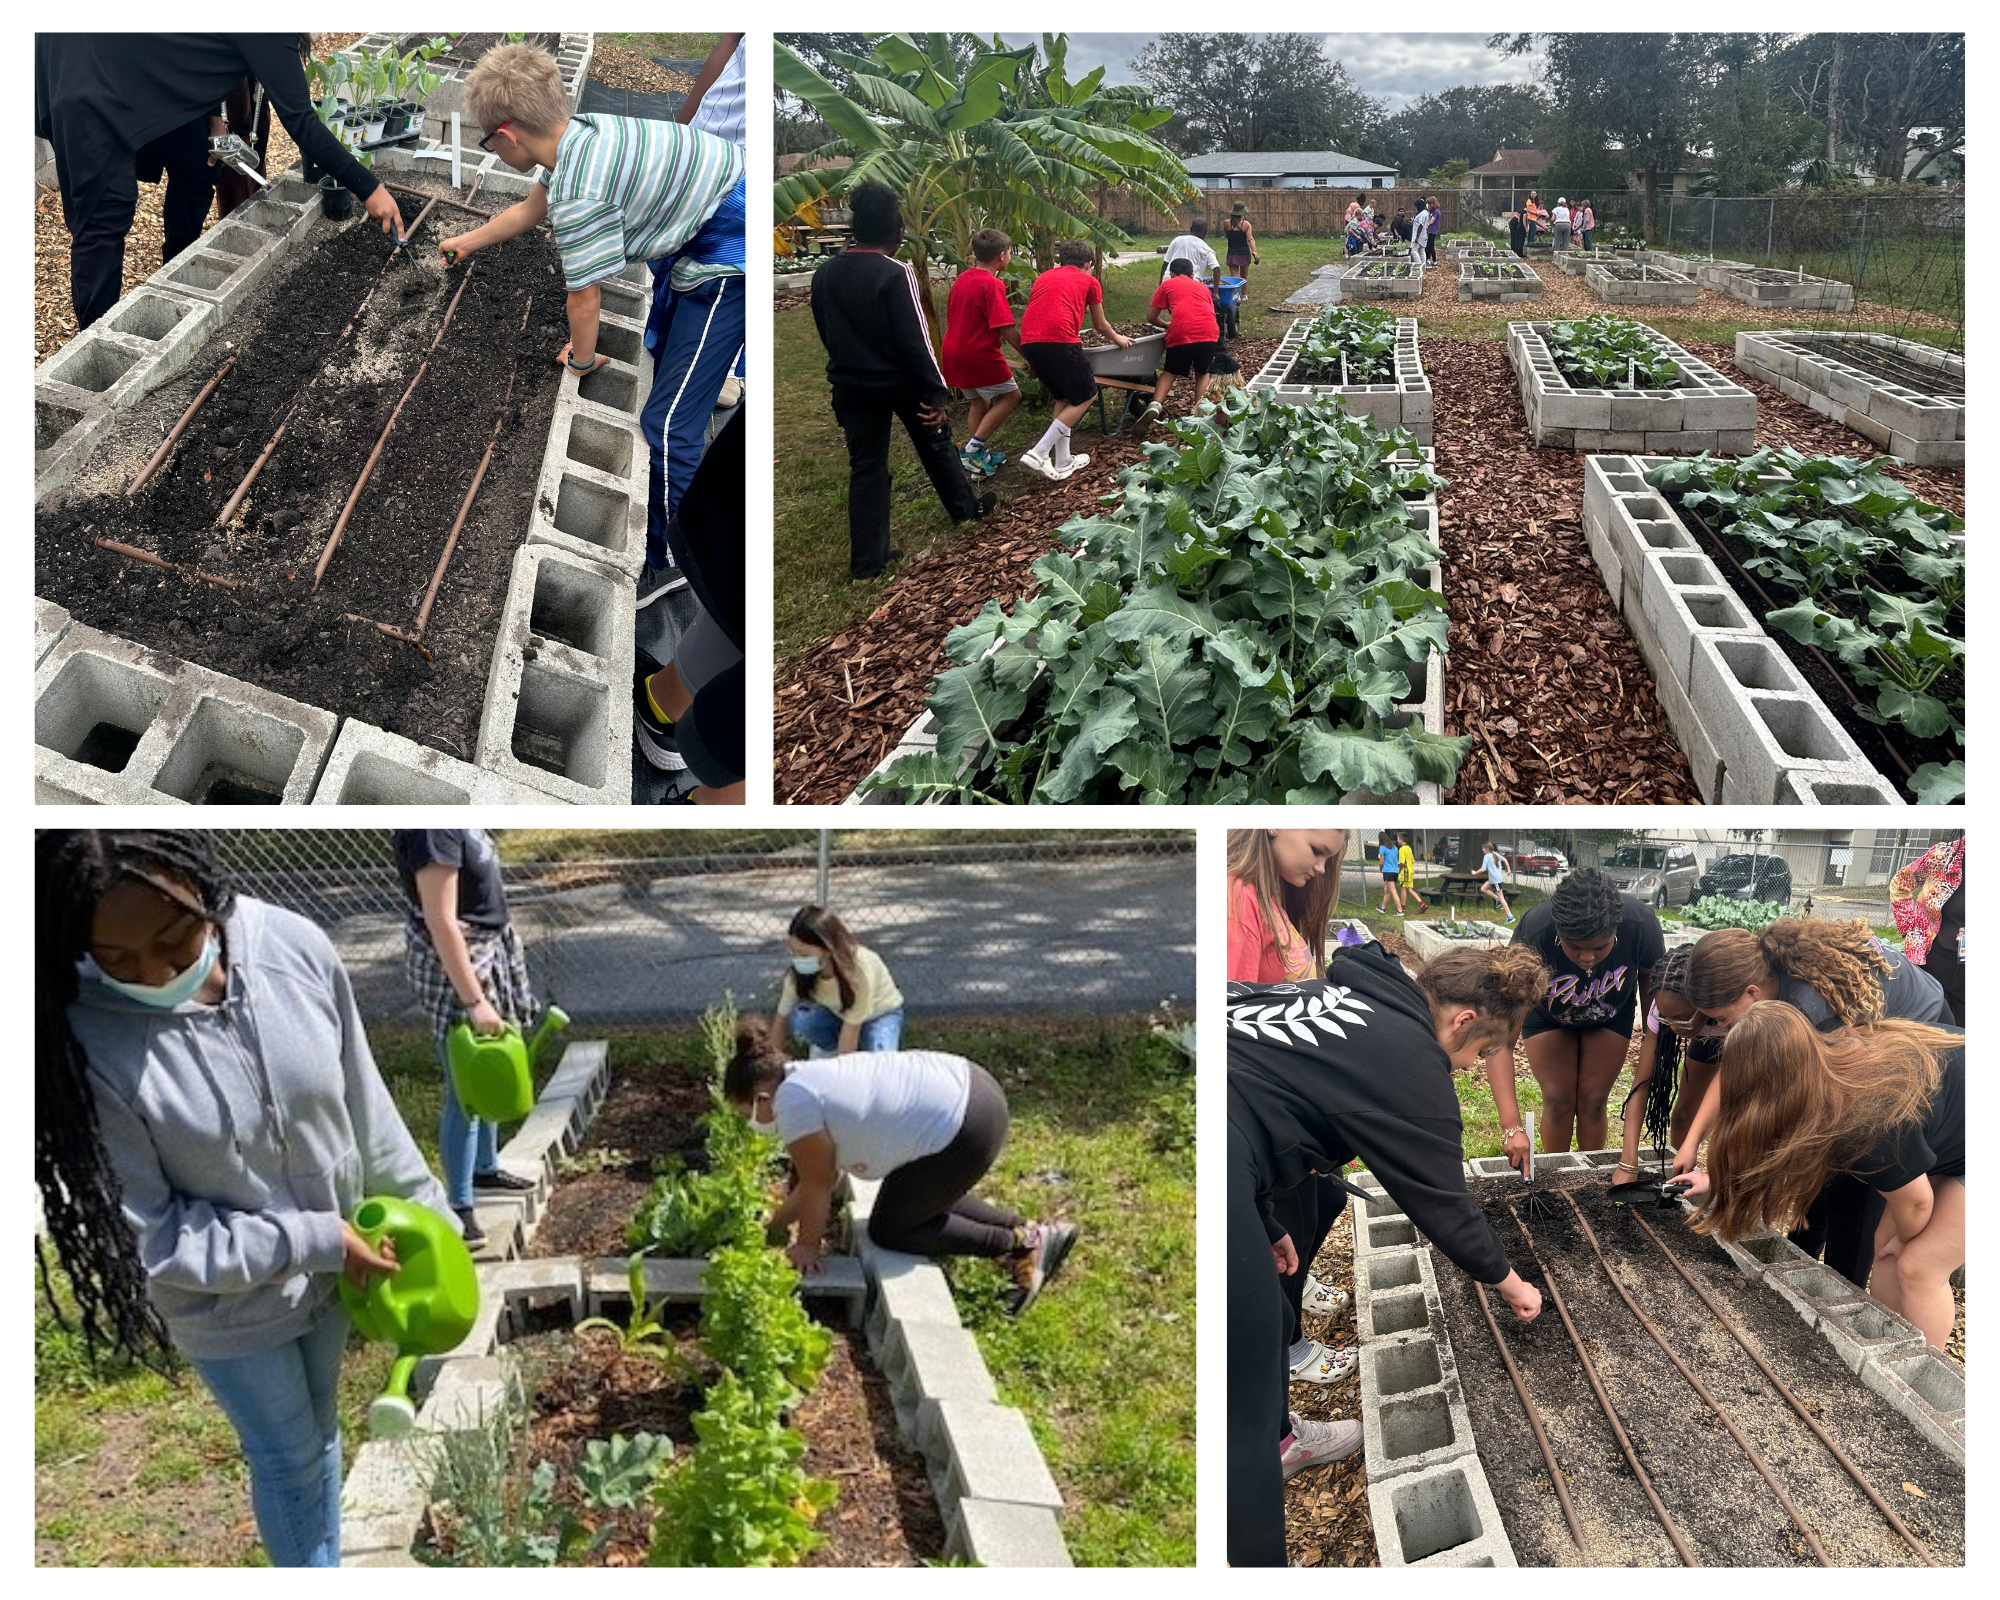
1228 291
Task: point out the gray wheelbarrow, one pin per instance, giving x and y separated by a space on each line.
1127 369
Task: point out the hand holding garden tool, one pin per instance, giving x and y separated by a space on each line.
494 1073
230 150
1538 1204
424 1308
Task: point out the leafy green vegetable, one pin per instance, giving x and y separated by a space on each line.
1604 352
1366 335
1719 911
753 1324
1875 578
740 1497
1238 628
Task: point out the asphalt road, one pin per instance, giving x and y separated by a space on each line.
1096 933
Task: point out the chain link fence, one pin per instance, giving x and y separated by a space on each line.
646 927
1838 873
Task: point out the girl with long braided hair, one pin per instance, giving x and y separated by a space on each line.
1676 1055
207 1114
1600 946
1836 974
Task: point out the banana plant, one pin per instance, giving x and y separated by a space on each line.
1005 141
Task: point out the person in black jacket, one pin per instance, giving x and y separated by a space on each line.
117 106
1357 1065
881 365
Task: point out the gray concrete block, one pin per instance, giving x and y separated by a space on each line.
933 1361
97 366
1868 1331
1769 733
1441 1516
383 1498
559 1277
984 1452
1837 787
52 622
1929 1389
1415 1431
906 1289
172 328
208 274
66 432
1756 1255
998 1533
372 767
1396 1293
1811 1289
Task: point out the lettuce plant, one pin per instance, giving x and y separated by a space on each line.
1238 627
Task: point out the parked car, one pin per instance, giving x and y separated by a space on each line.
1659 874
1444 848
1540 858
1749 878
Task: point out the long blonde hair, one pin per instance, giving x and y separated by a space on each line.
1253 863
1838 958
1797 1102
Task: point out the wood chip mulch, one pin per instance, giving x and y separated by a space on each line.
1541 671
827 738
1327 1523
790 302
618 68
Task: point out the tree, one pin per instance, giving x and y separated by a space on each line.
1274 91
1755 136
1004 140
1448 175
1467 122
1872 91
1637 91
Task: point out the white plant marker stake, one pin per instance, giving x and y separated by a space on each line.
457 182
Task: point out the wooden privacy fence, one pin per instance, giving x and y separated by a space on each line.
1318 212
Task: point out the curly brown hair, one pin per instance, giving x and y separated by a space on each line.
1839 959
1500 982
756 1065
1797 1102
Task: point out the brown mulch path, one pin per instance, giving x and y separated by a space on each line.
1327 1523
618 68
1541 669
871 681
790 302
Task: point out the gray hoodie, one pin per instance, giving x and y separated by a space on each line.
243 1132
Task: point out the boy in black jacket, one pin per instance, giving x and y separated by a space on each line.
881 365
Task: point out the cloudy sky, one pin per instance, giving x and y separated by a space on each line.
1394 67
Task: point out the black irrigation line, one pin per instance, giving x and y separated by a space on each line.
1856 351
1797 1405
1687 1555
1742 1443
1534 1417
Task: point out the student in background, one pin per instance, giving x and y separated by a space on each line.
1494 865
1194 338
977 320
1406 874
1192 247
1239 242
1585 222
1389 862
838 996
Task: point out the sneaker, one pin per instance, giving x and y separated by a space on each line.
501 1179
656 735
469 1228
971 455
730 394
1319 1298
1077 462
657 581
1153 412
870 577
992 459
1318 1444
985 504
1324 1363
1039 1262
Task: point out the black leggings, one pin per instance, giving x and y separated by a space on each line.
1842 1221
97 248
1258 1412
1308 1214
926 1209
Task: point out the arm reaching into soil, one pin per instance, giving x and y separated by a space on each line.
1635 1101
516 220
810 1201
1704 1119
1500 1079
580 354
437 891
1102 324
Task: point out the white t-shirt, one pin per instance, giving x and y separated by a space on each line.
1189 247
1560 216
882 1110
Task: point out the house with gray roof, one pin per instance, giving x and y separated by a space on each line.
1288 169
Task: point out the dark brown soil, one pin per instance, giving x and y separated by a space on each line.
469 47
645 1116
1890 747
1723 1508
275 631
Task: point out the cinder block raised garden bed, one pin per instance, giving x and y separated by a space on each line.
1908 398
1457 1477
1755 730
1702 411
1625 283
1383 280
1432 937
1498 280
331 540
1770 288
1708 271
1406 403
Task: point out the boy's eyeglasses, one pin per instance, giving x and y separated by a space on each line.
486 143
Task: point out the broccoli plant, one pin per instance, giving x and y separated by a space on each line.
1238 628
1609 353
1365 335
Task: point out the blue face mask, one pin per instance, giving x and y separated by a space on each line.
806 966
175 992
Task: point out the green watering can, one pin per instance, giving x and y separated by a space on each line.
494 1073
426 1307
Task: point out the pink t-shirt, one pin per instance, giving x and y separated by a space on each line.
1255 955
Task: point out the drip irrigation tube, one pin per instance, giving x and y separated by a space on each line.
134 553
1680 1544
187 416
229 508
360 483
1805 1416
441 200
1652 1328
1534 1417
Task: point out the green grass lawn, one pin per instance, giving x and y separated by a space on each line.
673 46
132 1468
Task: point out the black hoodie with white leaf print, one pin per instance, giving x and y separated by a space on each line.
1326 1072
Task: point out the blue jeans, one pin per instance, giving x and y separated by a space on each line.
281 1403
820 1029
466 1144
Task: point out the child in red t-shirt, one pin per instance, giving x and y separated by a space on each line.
1051 330
1194 338
976 319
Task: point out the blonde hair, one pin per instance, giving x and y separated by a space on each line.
1307 909
519 84
1839 959
1797 1102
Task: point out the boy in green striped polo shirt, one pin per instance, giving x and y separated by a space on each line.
617 190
